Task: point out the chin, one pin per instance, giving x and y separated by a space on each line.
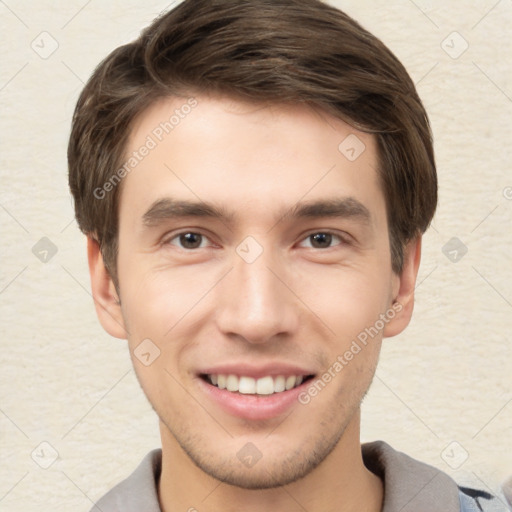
273 466
269 475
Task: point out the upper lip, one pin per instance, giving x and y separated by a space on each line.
256 371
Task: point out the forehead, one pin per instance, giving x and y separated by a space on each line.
250 156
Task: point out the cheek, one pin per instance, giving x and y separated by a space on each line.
156 300
156 309
347 300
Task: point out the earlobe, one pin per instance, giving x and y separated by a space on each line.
403 304
106 300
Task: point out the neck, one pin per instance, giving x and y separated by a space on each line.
340 483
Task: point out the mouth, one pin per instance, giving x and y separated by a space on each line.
253 398
263 386
250 392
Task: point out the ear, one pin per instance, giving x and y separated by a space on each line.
106 300
403 289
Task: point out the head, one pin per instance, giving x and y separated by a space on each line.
285 122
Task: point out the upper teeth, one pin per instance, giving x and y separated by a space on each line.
248 385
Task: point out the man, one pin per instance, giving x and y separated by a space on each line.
254 178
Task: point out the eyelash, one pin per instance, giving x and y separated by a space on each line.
342 240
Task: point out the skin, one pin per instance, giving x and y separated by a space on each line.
298 302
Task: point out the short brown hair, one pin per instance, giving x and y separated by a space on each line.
300 51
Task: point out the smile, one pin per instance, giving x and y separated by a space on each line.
262 397
267 385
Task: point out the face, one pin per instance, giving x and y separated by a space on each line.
253 254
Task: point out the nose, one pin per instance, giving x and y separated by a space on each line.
255 303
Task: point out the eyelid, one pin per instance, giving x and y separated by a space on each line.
345 238
169 237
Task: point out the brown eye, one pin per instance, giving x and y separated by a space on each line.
320 240
188 240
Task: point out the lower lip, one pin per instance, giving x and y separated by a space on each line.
253 407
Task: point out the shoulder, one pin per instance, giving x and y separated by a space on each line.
411 485
138 491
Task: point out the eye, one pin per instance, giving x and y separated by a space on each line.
321 240
189 240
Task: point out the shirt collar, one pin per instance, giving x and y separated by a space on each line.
409 485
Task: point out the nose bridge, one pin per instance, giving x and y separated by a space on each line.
253 302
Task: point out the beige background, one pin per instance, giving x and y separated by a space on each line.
443 389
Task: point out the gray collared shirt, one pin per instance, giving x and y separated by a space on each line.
409 486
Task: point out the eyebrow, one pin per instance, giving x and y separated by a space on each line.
347 207
169 208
